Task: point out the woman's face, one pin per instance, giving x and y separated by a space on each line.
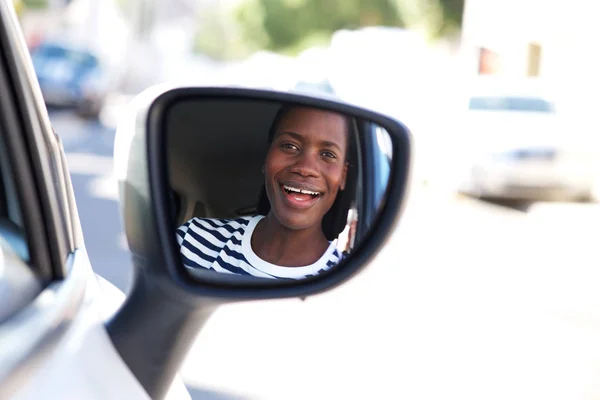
306 166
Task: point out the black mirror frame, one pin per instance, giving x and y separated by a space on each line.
157 180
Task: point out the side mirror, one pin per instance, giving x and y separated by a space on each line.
240 194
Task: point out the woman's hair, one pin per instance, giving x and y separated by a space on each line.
334 221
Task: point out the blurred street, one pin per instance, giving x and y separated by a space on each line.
469 300
89 149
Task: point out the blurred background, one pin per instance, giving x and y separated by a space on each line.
489 288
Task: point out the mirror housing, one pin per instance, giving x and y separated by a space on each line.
165 307
141 168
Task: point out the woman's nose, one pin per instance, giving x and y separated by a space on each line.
305 165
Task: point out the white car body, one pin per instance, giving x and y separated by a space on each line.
84 364
54 340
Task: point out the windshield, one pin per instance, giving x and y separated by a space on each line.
532 104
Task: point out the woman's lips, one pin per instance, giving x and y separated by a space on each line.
299 200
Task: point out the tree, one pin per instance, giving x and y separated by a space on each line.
35 3
286 23
219 37
290 26
433 18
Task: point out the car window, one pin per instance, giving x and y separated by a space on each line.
383 155
377 153
511 104
11 221
19 283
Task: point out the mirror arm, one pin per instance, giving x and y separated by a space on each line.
153 332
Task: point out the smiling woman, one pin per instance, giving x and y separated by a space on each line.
286 187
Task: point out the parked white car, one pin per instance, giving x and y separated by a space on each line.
519 147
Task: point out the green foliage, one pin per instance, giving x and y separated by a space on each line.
290 26
287 22
433 18
35 3
453 15
219 37
319 39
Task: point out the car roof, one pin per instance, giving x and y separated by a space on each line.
519 87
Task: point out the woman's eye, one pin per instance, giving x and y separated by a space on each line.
289 146
329 154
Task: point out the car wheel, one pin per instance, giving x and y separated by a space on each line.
593 197
593 194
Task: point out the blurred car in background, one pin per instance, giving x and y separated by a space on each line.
320 87
520 148
71 76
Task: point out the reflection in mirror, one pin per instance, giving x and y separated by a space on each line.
268 190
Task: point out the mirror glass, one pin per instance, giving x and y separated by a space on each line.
265 190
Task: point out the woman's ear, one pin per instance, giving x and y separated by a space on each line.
344 175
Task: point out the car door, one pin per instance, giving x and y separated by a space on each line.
53 342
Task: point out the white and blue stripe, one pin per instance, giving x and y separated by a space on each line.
224 246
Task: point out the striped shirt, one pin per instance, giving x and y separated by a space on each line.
223 246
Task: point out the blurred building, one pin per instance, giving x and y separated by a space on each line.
549 39
98 25
398 72
390 69
37 22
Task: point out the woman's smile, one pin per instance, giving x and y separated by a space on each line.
299 196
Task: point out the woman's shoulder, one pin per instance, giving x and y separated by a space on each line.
335 255
213 229
219 223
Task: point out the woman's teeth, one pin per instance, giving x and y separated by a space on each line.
290 189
